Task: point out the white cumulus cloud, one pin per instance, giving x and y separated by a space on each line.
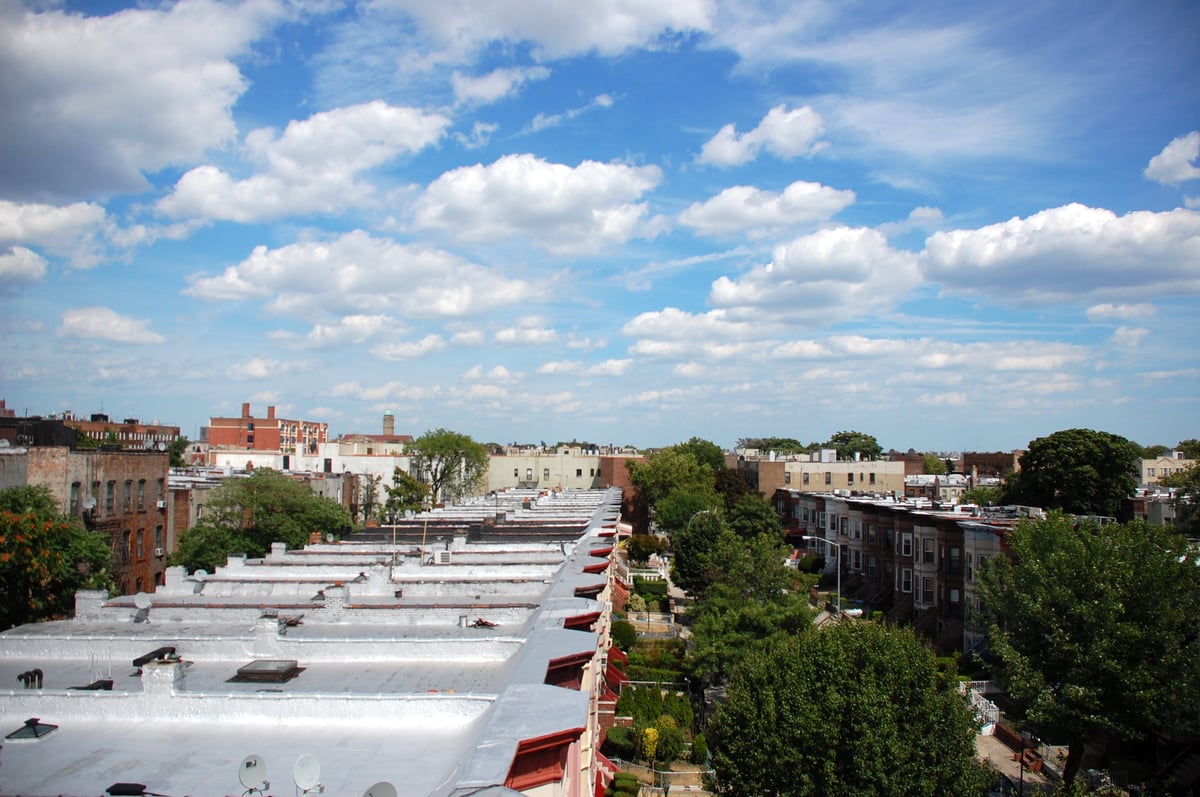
494 85
356 271
562 209
755 211
784 133
94 102
103 323
1071 253
1177 162
311 168
20 267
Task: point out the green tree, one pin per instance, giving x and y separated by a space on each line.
1080 471
1153 451
45 557
1189 448
666 471
176 452
369 496
1095 627
935 465
754 515
246 515
854 709
641 546
676 510
705 452
452 464
1185 499
983 496
850 443
691 545
671 741
780 445
405 495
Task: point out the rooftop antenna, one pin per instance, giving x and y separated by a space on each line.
381 789
253 774
307 774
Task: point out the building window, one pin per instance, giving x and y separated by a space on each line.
906 544
954 595
516 473
159 497
579 473
857 528
546 474
141 494
849 478
906 580
529 474
128 494
591 471
856 559
141 542
928 551
927 590
787 477
804 477
1149 471
871 478
870 564
158 540
828 477
75 488
871 534
110 496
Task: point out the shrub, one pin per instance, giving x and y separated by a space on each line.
624 635
621 743
699 749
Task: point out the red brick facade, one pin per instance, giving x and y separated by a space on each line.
267 434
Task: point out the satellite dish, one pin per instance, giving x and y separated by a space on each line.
306 772
253 773
162 446
381 789
141 600
89 502
200 574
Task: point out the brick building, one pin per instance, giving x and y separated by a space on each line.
267 434
121 494
129 434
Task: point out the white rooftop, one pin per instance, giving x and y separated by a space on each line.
393 668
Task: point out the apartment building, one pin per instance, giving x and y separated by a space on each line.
820 472
266 434
1151 470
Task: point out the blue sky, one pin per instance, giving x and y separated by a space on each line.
621 221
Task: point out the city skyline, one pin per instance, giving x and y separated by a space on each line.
632 222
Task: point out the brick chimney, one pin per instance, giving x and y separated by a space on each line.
270 413
245 409
389 423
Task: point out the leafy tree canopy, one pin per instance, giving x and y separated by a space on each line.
676 511
1185 499
1080 471
935 465
406 494
782 445
176 451
246 515
705 453
45 557
850 443
1095 627
753 515
451 463
983 496
1189 448
1153 452
691 543
668 470
855 709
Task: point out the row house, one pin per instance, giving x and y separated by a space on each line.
904 559
120 494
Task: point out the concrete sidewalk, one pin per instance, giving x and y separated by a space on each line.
1000 757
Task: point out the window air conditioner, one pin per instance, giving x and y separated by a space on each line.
161 504
442 557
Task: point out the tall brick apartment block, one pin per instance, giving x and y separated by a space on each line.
267 434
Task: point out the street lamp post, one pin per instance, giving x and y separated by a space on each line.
838 548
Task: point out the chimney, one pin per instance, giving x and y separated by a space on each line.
245 409
389 423
270 413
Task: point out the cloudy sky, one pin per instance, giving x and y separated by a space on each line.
620 221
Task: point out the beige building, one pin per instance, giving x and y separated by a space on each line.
821 473
562 469
1154 469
